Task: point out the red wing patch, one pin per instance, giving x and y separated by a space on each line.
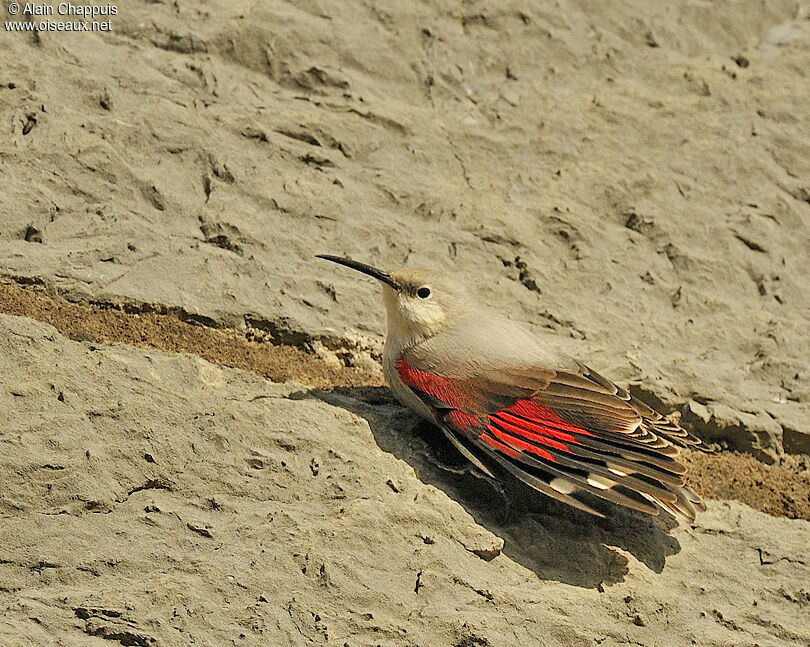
499 446
525 420
517 442
533 415
451 392
633 467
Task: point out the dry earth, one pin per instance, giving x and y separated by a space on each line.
203 505
630 179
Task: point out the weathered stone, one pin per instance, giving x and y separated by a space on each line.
199 546
756 434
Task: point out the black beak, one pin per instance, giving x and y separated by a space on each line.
385 277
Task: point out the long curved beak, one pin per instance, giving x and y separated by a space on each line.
385 277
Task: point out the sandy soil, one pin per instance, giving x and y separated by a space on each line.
279 363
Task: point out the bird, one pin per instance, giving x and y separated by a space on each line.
510 403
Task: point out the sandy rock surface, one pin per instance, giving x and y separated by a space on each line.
628 177
201 505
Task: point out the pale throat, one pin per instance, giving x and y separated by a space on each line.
410 322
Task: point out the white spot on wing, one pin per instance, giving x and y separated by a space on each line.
563 486
600 482
616 470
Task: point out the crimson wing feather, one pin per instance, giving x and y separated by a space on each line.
566 433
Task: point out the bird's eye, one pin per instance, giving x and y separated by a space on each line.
423 292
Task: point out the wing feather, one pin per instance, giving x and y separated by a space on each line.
565 433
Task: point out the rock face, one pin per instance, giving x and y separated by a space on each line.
156 499
628 177
759 435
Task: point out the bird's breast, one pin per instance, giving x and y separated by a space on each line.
391 359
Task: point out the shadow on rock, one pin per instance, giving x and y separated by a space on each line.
555 541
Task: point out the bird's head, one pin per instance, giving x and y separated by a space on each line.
419 303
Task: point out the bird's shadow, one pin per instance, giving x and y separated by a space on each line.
554 540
